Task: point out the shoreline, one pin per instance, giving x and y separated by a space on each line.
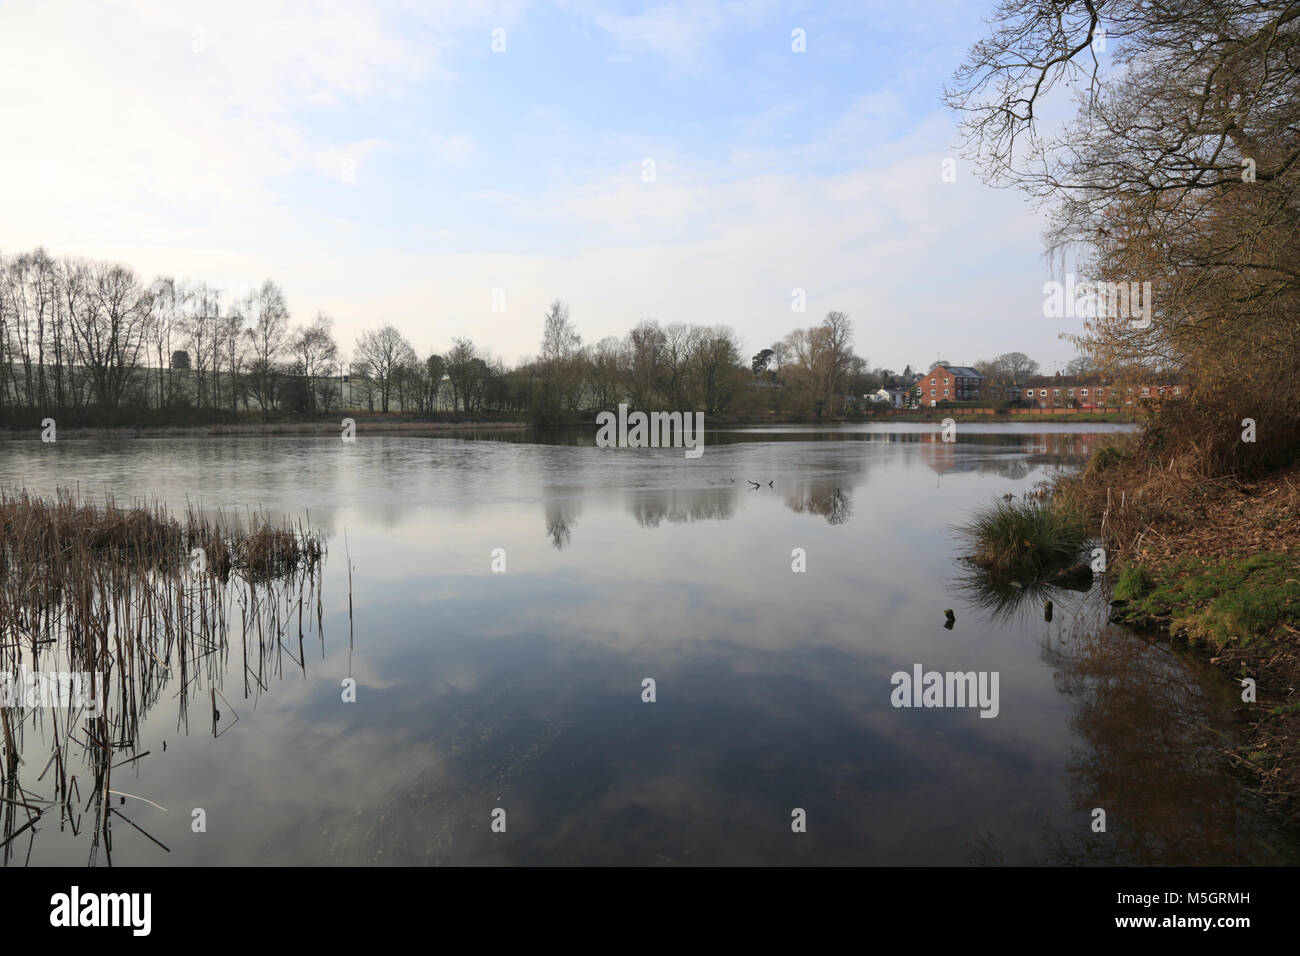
330 429
1217 568
396 425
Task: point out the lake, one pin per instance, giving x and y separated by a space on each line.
517 695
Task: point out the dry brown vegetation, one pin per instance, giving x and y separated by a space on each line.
135 600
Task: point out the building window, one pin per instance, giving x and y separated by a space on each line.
945 393
945 381
1056 393
932 382
931 393
1083 392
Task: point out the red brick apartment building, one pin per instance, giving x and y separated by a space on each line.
949 383
1049 391
960 383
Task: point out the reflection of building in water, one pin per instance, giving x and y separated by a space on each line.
942 456
1019 451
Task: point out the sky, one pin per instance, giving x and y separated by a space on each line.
453 167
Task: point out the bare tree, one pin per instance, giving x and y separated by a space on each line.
645 360
680 342
465 371
1081 365
267 337
164 321
716 367
557 369
381 354
605 369
202 325
235 347
109 330
816 362
1016 366
316 354
838 332
1181 168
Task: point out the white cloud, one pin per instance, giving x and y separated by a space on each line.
123 141
682 33
127 119
452 150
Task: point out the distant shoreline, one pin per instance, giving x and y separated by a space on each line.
322 429
395 425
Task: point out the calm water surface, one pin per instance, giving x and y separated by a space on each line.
523 690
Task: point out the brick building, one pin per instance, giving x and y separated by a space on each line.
1050 391
949 383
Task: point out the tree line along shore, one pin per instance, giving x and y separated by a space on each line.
89 343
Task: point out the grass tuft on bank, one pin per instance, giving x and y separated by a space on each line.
1024 540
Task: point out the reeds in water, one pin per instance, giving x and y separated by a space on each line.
133 599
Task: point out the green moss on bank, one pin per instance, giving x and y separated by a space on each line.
1132 583
1221 602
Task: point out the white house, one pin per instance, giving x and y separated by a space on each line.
889 396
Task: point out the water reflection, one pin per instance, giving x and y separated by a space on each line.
1005 602
833 504
990 453
561 516
1151 723
651 509
142 633
522 690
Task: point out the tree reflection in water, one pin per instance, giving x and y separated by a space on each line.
651 509
1151 723
561 516
831 502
